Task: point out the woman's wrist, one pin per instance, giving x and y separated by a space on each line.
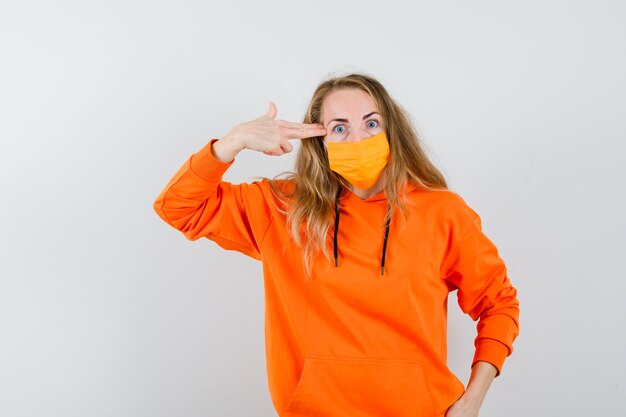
483 373
226 148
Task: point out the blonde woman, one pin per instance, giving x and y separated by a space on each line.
360 247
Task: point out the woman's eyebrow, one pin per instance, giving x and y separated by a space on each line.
346 120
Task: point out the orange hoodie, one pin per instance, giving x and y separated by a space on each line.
353 342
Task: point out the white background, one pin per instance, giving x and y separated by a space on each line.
105 310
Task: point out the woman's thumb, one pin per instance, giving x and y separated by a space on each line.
271 111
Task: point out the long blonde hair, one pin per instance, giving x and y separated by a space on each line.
310 205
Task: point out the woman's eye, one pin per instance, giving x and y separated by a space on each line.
340 126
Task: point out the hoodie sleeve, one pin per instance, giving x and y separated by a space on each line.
475 268
199 204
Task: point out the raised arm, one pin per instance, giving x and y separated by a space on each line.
236 216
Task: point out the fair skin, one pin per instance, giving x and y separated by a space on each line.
264 134
468 405
272 137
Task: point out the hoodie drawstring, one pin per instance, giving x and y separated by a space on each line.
336 247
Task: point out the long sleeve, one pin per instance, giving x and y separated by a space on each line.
199 204
475 268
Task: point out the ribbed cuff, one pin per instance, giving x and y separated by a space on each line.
492 351
207 166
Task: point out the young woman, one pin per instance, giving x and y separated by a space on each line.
362 331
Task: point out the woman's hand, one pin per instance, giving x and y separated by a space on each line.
264 134
464 407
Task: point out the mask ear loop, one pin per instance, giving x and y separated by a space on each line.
335 247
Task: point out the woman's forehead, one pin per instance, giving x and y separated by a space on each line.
347 104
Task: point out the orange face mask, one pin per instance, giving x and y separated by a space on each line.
362 162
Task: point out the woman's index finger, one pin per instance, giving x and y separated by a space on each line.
287 123
306 130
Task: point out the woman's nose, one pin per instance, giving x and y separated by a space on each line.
355 136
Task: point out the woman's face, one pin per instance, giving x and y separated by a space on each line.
350 115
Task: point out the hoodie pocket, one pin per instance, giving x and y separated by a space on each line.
364 387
